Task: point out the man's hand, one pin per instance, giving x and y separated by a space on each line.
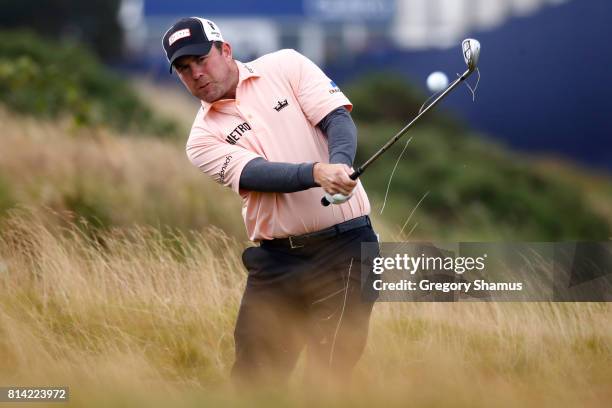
334 178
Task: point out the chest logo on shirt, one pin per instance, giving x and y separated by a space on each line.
281 105
237 133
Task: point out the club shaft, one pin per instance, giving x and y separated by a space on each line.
361 169
402 132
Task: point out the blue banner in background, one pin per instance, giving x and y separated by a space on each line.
263 8
347 11
319 10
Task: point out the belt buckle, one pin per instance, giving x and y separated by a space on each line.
292 245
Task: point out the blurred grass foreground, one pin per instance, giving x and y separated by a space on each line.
124 319
120 275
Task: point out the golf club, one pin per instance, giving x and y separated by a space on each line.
471 54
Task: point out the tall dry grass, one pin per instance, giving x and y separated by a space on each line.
128 306
130 317
119 180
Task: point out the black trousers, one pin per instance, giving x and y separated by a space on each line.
304 297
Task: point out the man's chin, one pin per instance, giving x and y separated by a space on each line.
208 97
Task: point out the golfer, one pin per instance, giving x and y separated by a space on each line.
278 132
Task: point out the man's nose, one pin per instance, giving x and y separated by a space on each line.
196 70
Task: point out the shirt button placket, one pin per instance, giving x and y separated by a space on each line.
244 114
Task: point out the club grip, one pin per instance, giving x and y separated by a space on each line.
354 176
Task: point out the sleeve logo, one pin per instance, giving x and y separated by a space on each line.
223 169
334 87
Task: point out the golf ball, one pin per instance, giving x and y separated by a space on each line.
437 81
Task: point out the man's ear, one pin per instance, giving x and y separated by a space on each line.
226 50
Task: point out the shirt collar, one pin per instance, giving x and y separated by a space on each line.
245 71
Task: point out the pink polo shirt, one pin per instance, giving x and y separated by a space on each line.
280 98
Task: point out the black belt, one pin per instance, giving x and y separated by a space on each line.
301 241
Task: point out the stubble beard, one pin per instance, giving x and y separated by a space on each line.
211 93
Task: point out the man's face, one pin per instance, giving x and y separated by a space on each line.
209 77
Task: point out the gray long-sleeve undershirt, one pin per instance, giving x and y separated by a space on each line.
279 177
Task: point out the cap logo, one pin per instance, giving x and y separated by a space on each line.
178 35
210 30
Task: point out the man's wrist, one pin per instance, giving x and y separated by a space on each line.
306 175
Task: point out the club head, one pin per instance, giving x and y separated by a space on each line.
471 52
